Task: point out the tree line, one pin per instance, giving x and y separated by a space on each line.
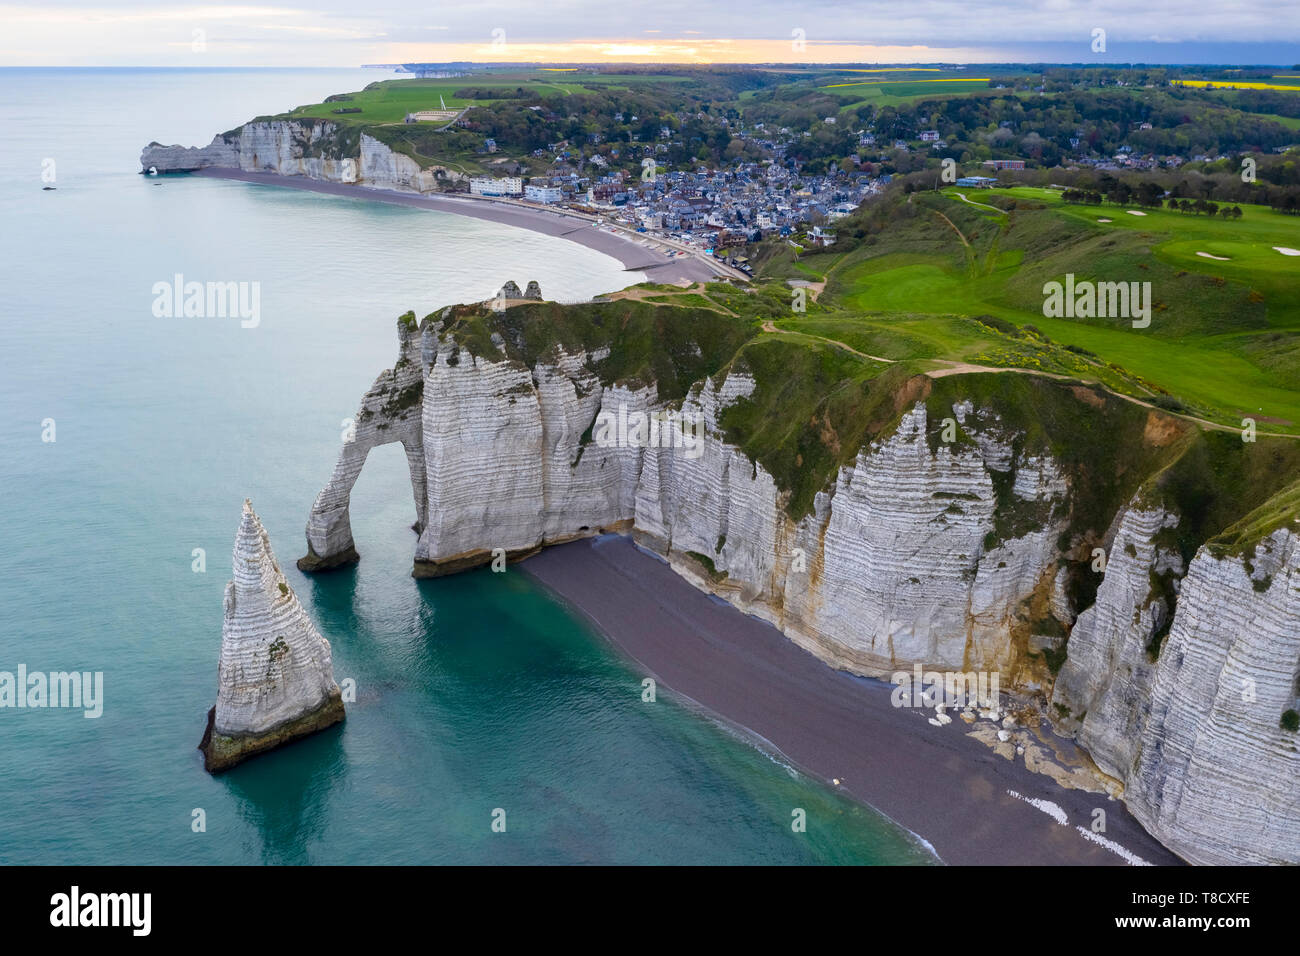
1149 195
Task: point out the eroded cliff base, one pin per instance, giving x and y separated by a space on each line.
312 562
946 784
221 752
464 562
886 516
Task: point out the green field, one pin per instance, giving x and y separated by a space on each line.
947 278
1291 122
831 381
1224 340
893 92
388 101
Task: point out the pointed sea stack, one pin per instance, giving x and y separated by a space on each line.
275 682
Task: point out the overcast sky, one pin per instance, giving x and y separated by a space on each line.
339 33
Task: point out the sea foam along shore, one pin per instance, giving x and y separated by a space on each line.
948 788
636 254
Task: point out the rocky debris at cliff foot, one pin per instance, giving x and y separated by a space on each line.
275 682
960 556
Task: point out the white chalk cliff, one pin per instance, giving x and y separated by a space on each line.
275 682
905 558
1191 723
315 149
390 412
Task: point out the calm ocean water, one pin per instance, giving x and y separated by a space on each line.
475 692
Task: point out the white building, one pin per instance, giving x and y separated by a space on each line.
543 194
821 237
487 186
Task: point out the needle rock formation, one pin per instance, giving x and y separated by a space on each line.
275 682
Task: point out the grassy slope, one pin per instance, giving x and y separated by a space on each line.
388 101
817 403
1225 336
384 105
669 345
949 281
878 92
968 289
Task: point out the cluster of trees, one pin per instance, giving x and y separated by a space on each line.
1084 111
1287 202
1209 208
1275 102
1046 130
1058 79
1081 111
797 107
1082 185
1121 192
515 127
1150 195
1280 169
627 119
824 147
495 93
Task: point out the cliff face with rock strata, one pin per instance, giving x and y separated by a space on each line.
316 149
1183 703
959 555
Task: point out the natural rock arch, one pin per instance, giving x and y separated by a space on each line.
390 412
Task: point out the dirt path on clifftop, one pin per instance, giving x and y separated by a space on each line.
639 294
951 367
1000 212
770 326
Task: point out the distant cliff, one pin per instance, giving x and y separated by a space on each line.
316 149
959 529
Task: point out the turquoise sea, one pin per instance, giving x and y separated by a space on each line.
474 693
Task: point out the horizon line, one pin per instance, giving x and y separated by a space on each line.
685 64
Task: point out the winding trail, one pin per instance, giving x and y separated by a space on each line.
1000 212
954 228
770 326
640 294
952 367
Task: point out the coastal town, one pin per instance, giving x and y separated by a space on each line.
713 182
715 211
777 182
